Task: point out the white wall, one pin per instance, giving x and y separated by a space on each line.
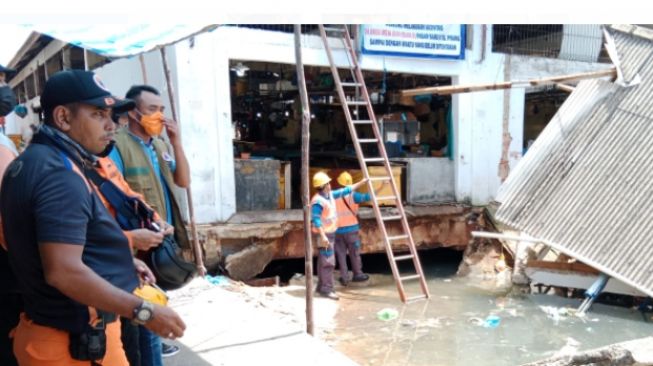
200 71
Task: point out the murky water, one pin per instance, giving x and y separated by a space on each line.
449 328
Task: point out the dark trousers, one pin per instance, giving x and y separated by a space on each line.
129 338
349 243
326 263
10 307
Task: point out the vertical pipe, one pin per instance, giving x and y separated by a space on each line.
306 120
199 263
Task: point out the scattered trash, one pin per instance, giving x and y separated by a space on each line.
492 321
476 321
387 314
556 314
447 280
408 323
217 280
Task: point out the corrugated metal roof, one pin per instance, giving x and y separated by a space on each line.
586 185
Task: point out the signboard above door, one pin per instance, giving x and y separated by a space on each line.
414 40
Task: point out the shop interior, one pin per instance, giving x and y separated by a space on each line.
539 107
266 118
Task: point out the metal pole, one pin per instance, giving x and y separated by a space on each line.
306 120
141 58
199 263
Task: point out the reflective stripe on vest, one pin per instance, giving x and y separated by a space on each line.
329 217
346 217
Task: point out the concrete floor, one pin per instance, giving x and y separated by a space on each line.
228 326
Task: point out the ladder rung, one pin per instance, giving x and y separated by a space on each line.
417 297
407 278
379 179
356 102
351 84
373 160
367 141
386 198
403 257
362 121
399 237
388 218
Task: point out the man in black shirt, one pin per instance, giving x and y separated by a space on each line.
71 259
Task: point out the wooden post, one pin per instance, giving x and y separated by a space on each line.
306 200
199 263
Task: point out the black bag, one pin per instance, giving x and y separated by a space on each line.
89 345
167 264
171 270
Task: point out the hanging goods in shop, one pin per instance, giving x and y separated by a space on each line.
358 83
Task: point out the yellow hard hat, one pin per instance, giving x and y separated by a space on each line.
320 179
152 294
345 179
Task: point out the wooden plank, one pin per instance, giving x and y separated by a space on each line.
562 266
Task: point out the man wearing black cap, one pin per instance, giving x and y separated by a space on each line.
71 259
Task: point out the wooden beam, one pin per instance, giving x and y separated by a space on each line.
456 89
306 120
565 87
197 249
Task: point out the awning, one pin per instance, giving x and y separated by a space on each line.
119 40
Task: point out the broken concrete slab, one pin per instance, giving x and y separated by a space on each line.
632 353
264 238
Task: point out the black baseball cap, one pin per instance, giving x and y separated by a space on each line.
7 71
78 86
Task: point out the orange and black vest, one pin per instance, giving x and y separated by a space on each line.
329 216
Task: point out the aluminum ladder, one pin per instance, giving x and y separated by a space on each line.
358 84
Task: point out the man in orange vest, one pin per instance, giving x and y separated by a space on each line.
324 222
347 235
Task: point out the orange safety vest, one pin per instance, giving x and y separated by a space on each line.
329 214
347 214
108 170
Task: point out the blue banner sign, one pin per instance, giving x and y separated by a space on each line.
414 40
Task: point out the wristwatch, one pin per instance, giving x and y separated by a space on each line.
143 313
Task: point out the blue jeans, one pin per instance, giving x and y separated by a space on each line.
150 345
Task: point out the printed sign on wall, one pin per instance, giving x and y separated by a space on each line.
414 40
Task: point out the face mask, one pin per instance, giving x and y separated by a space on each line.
152 123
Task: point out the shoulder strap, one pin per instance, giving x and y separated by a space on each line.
344 199
131 212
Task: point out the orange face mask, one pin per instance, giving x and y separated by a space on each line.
152 123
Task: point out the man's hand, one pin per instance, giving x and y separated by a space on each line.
172 129
166 229
166 323
323 242
144 239
144 272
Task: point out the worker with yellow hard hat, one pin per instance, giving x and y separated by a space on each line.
324 225
347 233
